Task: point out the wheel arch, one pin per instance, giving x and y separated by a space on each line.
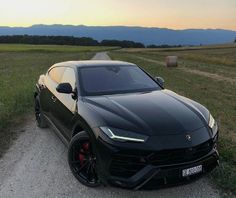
81 125
77 129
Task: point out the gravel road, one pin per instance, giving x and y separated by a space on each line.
36 166
101 56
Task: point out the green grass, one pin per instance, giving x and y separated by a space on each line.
221 61
52 48
218 96
20 67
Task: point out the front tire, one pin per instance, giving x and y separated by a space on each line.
82 160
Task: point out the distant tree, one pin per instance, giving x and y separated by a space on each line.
163 46
152 46
124 44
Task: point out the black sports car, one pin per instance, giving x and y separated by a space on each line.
122 127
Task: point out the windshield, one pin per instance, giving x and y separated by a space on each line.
106 80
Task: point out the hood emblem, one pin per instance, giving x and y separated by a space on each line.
188 137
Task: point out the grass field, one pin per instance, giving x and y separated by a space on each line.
52 48
207 75
20 67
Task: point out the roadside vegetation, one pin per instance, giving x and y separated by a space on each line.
20 67
207 75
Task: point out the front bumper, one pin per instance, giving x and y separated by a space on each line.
151 177
132 170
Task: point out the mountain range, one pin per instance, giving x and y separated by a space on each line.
147 36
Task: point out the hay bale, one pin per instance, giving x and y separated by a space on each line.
171 61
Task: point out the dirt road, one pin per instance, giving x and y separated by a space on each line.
36 166
101 56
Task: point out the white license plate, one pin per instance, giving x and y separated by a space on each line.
191 171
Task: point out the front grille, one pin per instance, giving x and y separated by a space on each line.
127 163
180 155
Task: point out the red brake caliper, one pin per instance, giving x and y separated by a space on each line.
84 149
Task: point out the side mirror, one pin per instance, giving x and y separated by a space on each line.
161 81
64 88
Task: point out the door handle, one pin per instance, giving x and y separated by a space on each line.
54 99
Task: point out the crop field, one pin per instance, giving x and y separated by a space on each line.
207 75
20 67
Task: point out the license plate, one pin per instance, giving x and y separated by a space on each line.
191 171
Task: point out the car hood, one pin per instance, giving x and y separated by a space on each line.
151 113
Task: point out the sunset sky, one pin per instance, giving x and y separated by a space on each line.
175 14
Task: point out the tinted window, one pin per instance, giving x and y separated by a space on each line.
114 79
56 73
69 77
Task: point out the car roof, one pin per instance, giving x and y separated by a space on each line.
88 63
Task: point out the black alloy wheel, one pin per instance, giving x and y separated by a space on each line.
82 160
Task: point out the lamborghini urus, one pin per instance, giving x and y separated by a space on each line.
123 128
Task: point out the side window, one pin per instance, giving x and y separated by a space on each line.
56 73
69 77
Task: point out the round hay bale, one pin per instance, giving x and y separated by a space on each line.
171 61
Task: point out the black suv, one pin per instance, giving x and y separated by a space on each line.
122 127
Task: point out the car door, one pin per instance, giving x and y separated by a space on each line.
65 105
45 95
52 80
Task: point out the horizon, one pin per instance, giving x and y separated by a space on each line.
132 26
169 14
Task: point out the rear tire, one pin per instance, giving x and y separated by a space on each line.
82 160
40 118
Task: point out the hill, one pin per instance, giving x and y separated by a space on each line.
157 36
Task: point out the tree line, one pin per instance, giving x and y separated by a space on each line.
123 44
163 46
79 41
67 40
56 40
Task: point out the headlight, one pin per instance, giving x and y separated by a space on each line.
213 125
123 135
211 121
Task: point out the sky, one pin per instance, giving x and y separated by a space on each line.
174 14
